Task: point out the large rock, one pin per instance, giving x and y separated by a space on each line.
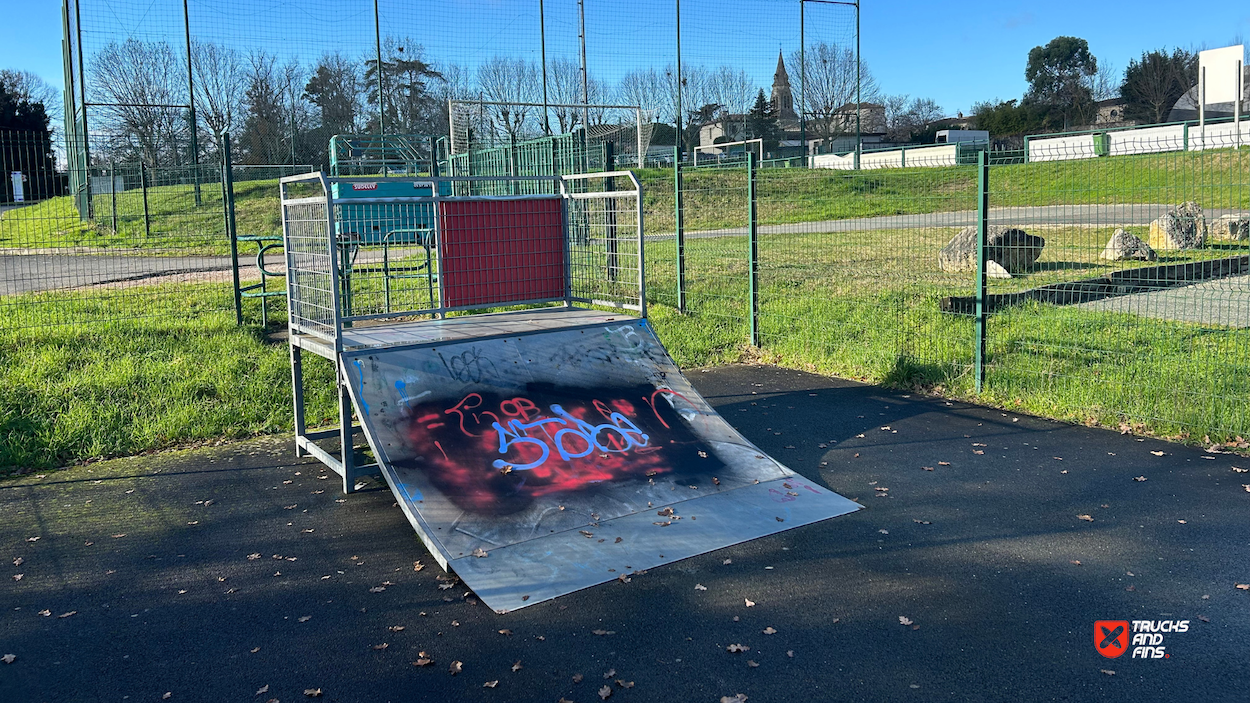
1231 227
1124 246
1013 248
1182 227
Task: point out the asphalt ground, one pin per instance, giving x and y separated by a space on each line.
137 583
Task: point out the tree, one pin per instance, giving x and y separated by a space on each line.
31 152
905 117
28 86
1008 118
762 121
135 82
220 87
1153 83
270 117
1058 76
564 77
335 90
512 81
830 75
407 81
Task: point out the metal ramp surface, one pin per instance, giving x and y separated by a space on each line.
535 460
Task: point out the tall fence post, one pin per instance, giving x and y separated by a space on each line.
983 214
681 234
754 251
113 192
147 218
227 211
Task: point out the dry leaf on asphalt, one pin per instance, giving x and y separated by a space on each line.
750 603
9 658
605 692
517 666
1139 478
903 620
382 646
624 684
396 628
1243 586
422 661
304 618
491 684
752 663
944 463
505 632
700 587
601 633
167 696
480 553
577 678
1157 453
770 630
736 698
735 648
456 667
1108 672
263 689
1204 618
1182 522
18 561
66 615
253 556
312 692
1086 518
377 589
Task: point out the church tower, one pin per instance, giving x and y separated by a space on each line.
783 99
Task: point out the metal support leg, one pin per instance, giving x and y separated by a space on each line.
345 435
297 386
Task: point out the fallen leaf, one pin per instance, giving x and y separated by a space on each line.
921 522
312 692
377 589
752 664
903 620
65 615
18 577
380 647
770 630
1139 478
396 628
624 684
1131 588
456 667
605 692
517 666
586 534
1204 618
728 561
32 539
790 653
263 689
45 613
700 587
927 468
735 648
666 523
666 512
18 561
1086 518
617 541
602 633
491 684
9 658
423 662
1108 672
736 698
884 532
1076 561
417 566
167 696
304 618
255 650
1182 522
1242 586
750 603
1157 453
577 678
944 463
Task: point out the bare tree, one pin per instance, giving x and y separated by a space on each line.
335 89
564 83
905 116
732 88
1105 84
649 90
220 86
266 127
138 82
830 88
409 84
512 81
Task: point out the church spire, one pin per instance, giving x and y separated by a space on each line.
782 97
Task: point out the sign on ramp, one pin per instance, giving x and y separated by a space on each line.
534 465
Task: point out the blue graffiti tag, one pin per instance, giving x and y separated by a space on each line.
361 370
514 433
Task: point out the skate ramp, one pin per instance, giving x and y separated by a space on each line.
537 464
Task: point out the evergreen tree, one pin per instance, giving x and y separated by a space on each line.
762 122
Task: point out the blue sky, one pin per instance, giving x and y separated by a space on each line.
956 55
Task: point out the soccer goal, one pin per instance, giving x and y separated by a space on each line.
481 124
727 152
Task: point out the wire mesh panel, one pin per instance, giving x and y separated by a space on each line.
604 232
312 279
1120 286
850 277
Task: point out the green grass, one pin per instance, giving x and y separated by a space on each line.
182 374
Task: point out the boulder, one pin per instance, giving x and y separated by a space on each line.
1124 246
1182 227
993 270
1011 247
1230 227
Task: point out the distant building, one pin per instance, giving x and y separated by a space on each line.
782 97
1186 108
1111 113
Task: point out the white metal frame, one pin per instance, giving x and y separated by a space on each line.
329 344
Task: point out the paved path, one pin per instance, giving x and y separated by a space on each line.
1224 301
148 559
1133 215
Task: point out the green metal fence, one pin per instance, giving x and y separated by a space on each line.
1001 281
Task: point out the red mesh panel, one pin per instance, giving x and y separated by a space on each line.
496 252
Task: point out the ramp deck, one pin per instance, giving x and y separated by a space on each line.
540 452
